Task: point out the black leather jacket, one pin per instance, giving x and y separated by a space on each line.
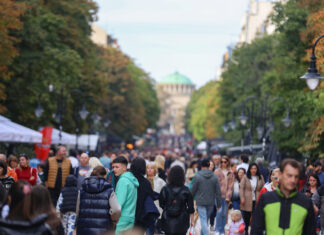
177 224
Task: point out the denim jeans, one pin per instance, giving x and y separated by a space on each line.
236 204
204 214
221 217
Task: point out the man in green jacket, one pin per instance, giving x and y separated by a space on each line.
284 211
126 192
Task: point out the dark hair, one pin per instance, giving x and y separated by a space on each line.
205 163
138 167
248 173
17 194
245 158
3 164
99 171
193 163
23 155
71 181
40 203
121 160
176 176
289 161
318 182
236 176
41 165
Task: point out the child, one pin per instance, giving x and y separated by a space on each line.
237 225
40 172
67 202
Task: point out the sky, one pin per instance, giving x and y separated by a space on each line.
165 36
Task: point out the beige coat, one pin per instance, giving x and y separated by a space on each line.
246 192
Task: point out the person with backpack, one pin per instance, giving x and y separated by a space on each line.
205 189
177 203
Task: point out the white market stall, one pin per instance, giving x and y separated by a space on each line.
15 133
85 140
66 139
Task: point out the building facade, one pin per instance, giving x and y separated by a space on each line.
174 93
255 21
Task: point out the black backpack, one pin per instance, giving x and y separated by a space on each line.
175 204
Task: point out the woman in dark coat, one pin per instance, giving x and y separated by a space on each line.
146 211
177 203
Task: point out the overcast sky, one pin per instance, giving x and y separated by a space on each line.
164 36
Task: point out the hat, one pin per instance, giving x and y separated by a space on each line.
205 163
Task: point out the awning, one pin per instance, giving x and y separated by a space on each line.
16 133
85 140
66 139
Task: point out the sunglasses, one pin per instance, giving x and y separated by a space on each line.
223 161
275 178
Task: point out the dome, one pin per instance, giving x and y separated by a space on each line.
176 78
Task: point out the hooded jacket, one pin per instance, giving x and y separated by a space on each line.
205 189
126 192
94 216
69 194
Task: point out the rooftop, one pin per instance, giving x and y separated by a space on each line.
176 78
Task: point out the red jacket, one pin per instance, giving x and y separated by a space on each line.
25 173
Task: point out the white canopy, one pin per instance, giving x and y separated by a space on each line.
85 140
15 133
67 138
202 145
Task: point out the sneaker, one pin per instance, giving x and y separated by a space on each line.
211 228
217 233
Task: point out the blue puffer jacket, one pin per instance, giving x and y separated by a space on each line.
94 217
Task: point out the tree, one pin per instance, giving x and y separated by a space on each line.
9 22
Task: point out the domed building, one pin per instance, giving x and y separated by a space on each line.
174 93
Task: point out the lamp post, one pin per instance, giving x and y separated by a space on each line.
312 76
260 121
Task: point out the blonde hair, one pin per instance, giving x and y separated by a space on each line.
94 162
153 165
159 161
237 214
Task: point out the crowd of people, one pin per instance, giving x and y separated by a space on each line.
159 193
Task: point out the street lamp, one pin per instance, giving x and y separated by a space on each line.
39 110
312 76
83 112
107 123
225 127
243 119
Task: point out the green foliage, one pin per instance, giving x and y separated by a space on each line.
55 48
201 116
270 67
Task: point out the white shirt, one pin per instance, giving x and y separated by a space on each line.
244 166
254 181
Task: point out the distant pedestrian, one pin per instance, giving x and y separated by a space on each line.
226 181
177 203
250 187
84 169
67 203
206 189
244 162
25 172
264 171
6 180
274 181
57 168
105 160
318 167
285 210
236 189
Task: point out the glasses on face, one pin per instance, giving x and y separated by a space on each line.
275 178
223 161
